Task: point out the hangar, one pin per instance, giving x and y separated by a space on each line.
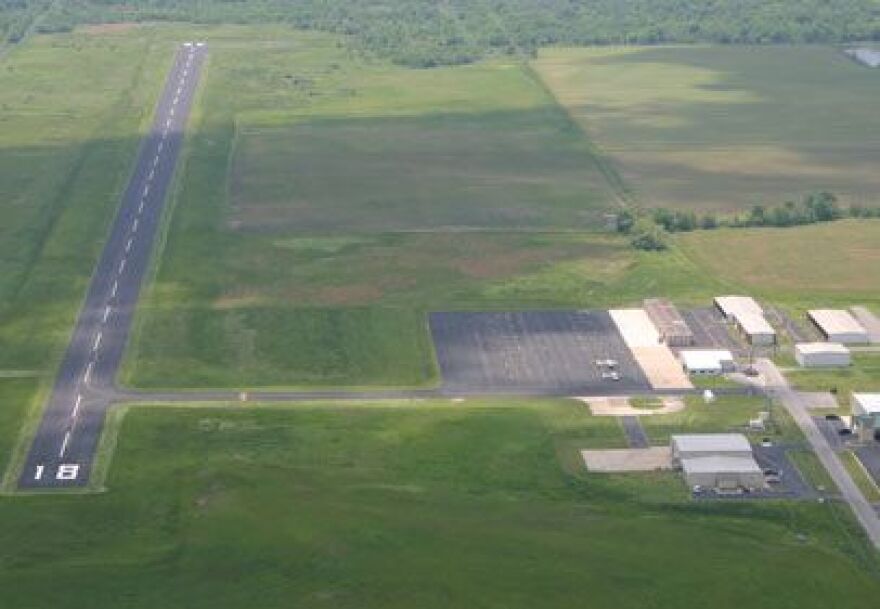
838 326
673 329
706 361
866 415
822 355
721 461
748 316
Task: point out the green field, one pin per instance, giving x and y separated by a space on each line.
725 127
329 202
821 265
431 504
71 108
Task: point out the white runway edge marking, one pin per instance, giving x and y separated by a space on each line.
115 289
128 245
106 313
76 405
64 444
97 344
88 373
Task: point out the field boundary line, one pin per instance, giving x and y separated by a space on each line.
625 195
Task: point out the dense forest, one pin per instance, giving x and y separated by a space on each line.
432 32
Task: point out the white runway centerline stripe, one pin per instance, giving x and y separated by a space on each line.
97 344
115 289
152 175
106 313
141 206
88 373
134 226
147 190
162 144
64 445
76 404
128 245
121 266
155 160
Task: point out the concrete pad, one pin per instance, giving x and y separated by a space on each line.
628 459
869 321
817 399
620 407
657 361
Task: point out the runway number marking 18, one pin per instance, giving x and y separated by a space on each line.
68 471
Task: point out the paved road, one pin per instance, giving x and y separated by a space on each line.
777 386
65 443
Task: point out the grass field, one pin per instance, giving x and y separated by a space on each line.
481 504
818 265
863 375
70 111
306 160
713 128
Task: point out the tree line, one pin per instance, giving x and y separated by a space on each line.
648 229
426 33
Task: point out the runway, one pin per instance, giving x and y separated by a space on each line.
66 440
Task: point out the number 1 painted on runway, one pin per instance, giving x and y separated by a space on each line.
39 473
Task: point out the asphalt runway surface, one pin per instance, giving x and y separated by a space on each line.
533 352
66 440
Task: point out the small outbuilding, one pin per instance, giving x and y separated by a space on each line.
707 362
838 326
822 355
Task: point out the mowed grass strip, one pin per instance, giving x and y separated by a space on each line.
712 127
428 504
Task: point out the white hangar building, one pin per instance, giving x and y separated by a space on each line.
838 326
822 355
748 316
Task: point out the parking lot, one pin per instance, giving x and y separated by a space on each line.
544 352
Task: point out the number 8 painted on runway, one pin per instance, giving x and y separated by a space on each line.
67 472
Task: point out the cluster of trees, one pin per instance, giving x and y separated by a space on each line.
648 230
425 33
